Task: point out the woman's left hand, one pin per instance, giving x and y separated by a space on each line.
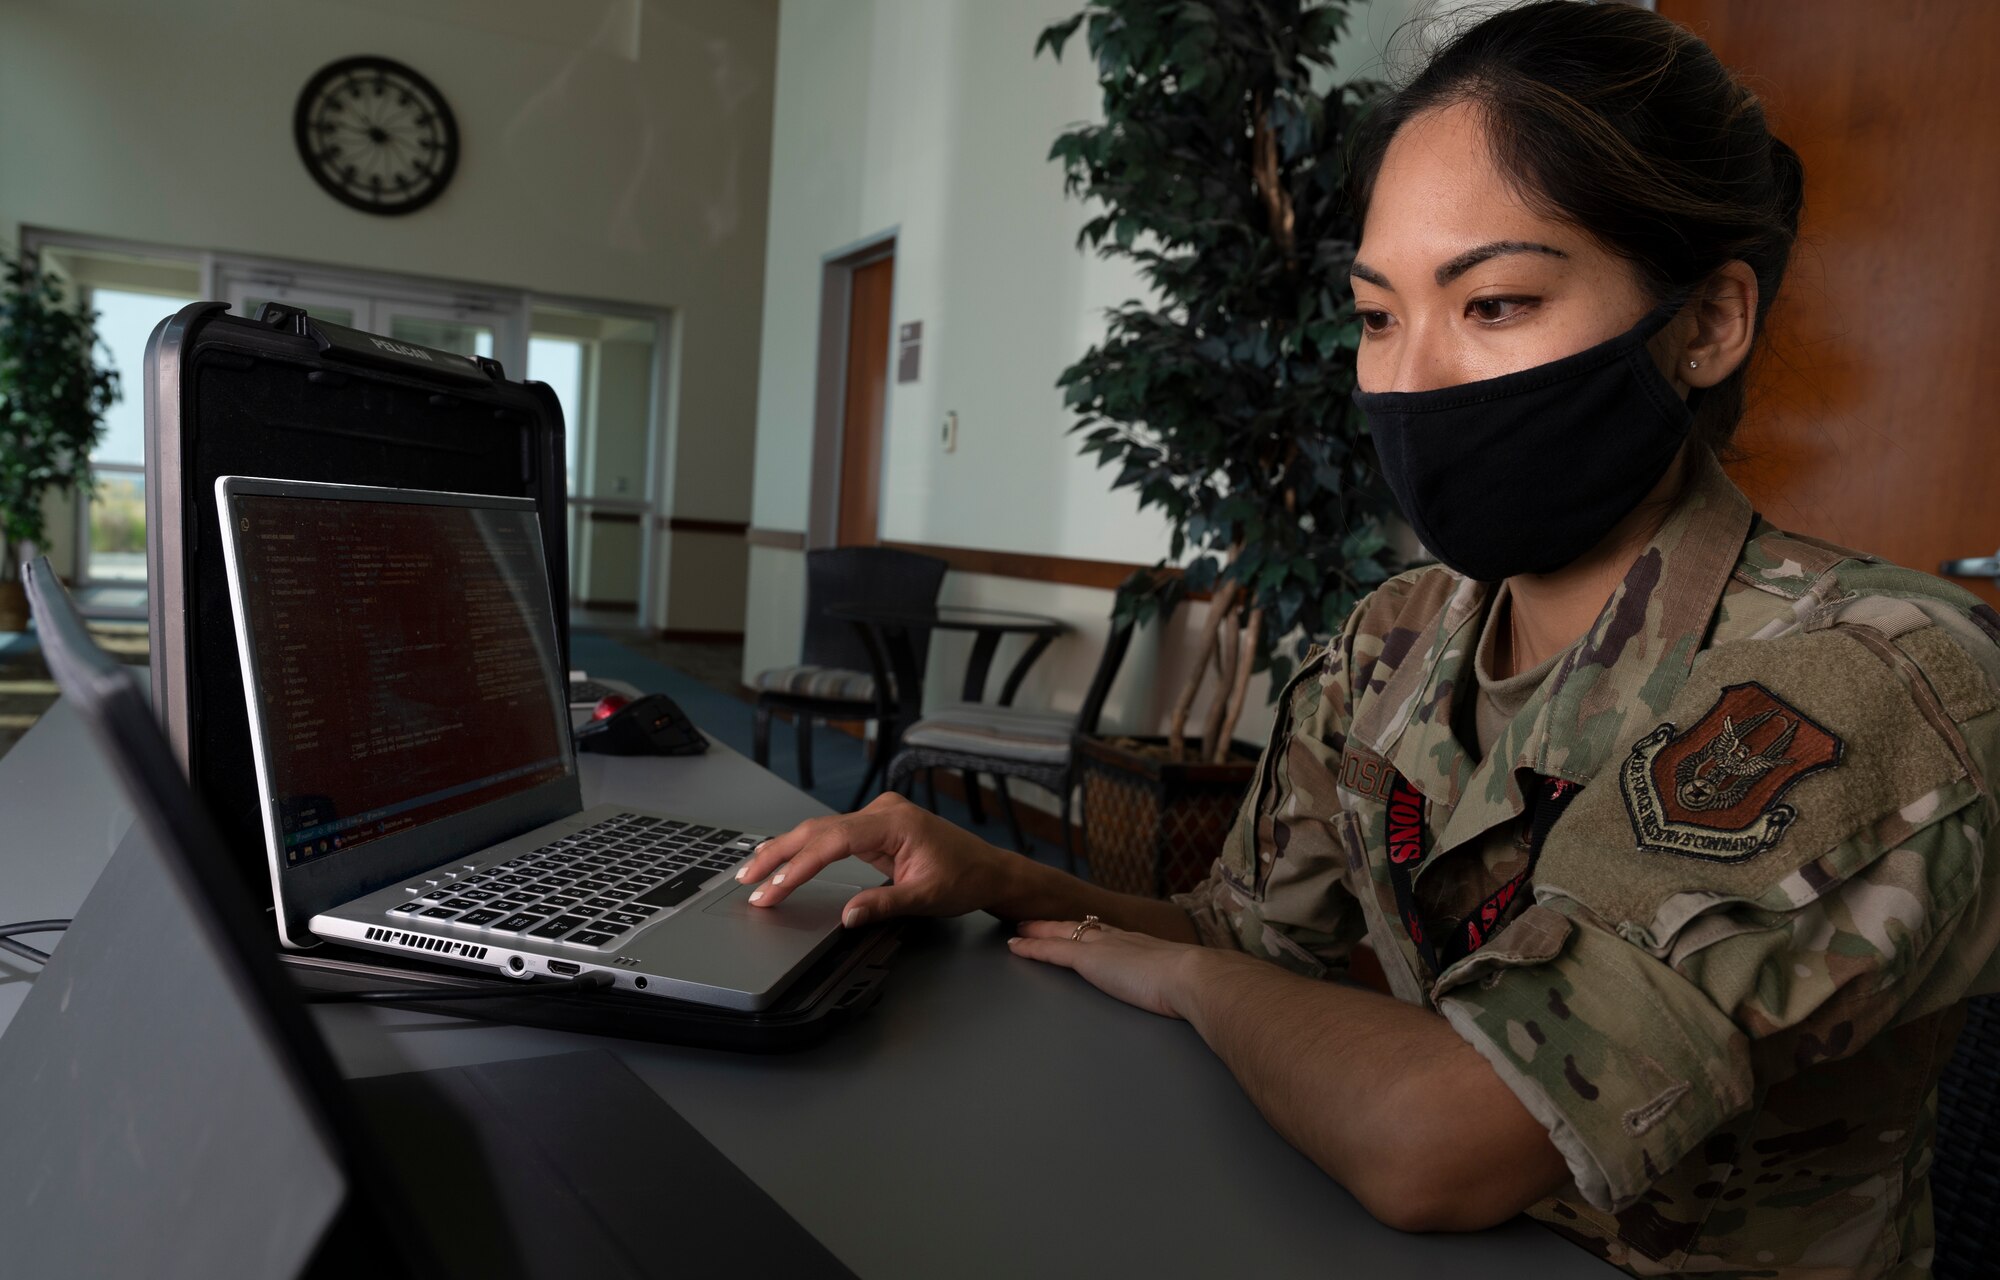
1138 968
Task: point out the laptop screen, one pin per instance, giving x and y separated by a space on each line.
405 659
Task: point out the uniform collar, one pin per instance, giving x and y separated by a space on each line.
1609 686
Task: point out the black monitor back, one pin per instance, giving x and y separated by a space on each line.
294 398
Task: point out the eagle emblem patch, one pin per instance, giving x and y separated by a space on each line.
1713 791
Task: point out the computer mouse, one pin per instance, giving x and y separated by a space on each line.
609 705
650 726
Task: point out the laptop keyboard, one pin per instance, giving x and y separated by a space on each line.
589 889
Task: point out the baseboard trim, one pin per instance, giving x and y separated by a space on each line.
685 636
779 539
684 524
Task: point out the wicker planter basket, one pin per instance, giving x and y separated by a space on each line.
13 606
1150 826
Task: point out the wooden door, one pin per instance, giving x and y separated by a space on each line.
1872 414
870 290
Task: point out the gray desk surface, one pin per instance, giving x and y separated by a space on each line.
992 1117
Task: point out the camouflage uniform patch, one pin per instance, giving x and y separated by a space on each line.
1737 1058
1704 793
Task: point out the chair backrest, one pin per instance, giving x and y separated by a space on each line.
879 576
1101 681
1965 1175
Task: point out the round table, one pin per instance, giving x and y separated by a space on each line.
888 632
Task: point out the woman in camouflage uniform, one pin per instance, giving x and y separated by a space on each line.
1669 829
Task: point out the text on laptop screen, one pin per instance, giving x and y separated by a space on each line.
406 663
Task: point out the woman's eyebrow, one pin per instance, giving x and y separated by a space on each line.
1458 266
1471 258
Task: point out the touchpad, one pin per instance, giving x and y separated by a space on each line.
812 906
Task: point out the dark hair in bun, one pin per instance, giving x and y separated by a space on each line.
1622 123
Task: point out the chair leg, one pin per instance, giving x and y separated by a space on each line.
1068 842
973 805
875 768
1082 837
804 722
760 734
1013 819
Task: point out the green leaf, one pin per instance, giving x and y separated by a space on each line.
53 397
1055 36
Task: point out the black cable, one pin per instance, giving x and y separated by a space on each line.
588 982
22 949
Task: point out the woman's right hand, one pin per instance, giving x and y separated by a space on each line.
935 868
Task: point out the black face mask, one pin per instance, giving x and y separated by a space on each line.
1525 472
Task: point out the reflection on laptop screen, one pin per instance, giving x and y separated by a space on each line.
406 663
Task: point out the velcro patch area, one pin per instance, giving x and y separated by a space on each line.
1886 755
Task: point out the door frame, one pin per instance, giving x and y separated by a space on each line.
836 288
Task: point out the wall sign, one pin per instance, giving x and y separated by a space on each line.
909 350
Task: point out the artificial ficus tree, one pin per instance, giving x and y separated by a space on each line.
1219 169
53 397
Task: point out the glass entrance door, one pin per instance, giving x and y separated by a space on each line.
466 321
466 330
602 367
246 297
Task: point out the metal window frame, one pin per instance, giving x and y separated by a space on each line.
218 269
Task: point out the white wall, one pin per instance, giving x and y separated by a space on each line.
931 117
613 149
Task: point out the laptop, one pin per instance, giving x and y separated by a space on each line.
415 770
168 1108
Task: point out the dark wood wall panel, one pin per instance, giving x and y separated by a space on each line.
1872 410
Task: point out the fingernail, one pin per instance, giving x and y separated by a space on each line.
779 878
851 917
1013 942
756 894
742 874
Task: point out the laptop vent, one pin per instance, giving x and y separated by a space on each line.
421 942
627 961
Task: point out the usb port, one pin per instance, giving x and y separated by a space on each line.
568 968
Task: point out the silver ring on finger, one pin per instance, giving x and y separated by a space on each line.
1085 926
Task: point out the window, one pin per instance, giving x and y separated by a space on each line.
131 293
601 365
601 360
559 362
113 548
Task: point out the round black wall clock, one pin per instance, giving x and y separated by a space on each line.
376 135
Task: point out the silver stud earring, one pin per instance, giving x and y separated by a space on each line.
1693 365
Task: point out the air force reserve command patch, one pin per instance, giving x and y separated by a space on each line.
1712 791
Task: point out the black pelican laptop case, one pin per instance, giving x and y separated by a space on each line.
294 398
286 396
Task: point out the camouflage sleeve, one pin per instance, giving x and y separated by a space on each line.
1279 890
1665 978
